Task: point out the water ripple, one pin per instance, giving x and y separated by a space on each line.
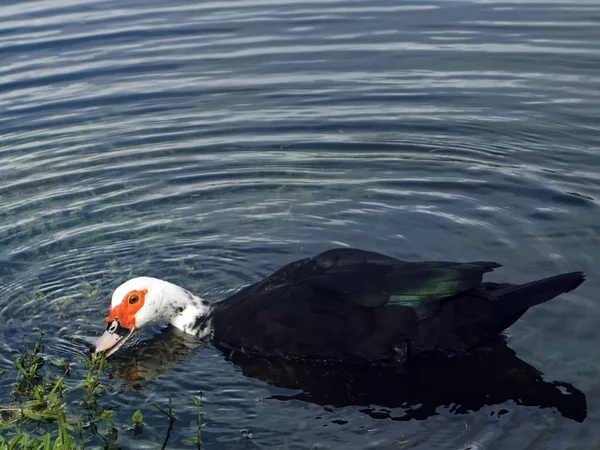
211 143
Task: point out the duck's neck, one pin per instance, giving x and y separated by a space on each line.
191 314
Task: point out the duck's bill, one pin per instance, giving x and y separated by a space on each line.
112 339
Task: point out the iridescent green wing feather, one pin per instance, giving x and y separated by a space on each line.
373 280
424 286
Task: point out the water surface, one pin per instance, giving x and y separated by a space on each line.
211 143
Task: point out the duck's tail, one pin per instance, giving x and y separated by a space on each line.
516 299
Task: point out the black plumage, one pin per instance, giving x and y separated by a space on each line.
359 306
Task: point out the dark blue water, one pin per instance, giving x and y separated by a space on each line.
209 143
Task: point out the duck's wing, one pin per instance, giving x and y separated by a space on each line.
373 280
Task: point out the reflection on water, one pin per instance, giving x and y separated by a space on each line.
491 376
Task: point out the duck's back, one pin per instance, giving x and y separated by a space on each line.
346 304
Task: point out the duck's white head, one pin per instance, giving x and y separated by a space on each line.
144 300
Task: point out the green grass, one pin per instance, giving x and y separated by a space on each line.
39 418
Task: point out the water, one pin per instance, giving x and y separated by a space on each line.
210 143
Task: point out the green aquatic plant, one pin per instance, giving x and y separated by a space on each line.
30 365
172 420
201 424
90 291
39 400
91 385
41 419
197 440
138 424
111 435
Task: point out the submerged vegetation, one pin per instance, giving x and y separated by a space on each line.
49 414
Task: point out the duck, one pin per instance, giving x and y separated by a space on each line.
342 305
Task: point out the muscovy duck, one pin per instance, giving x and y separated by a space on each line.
341 305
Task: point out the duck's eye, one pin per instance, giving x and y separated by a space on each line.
133 299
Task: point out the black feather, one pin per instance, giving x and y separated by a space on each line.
355 305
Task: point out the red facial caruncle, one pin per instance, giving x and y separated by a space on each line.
126 310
